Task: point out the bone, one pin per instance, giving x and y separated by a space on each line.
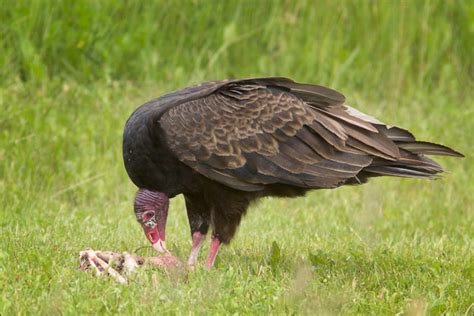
129 263
105 267
119 266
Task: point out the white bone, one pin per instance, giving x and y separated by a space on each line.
129 263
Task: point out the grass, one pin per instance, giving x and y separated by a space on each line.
72 72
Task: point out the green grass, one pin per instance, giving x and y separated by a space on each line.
72 72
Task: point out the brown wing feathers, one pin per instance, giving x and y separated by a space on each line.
254 132
257 157
419 147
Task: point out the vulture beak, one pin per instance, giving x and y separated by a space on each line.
157 237
160 246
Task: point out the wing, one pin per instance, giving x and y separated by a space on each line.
254 132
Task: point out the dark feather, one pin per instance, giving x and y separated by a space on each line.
395 134
427 148
315 93
331 138
341 115
402 171
321 148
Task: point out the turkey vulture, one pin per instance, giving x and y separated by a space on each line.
223 144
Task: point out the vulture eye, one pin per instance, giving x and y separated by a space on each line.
148 215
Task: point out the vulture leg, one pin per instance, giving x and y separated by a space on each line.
198 239
225 218
215 244
198 216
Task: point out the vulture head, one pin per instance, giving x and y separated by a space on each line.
151 210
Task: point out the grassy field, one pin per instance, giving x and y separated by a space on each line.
72 72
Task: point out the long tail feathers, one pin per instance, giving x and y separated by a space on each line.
427 148
412 164
395 151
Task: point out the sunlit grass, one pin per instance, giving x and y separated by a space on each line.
71 74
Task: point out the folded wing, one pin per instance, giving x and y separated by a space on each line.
250 133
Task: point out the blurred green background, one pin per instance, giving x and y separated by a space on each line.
71 72
402 45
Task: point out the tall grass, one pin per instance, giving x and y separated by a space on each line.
400 44
70 74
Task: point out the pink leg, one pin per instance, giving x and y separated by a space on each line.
215 244
198 238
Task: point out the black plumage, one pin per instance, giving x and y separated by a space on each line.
225 143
